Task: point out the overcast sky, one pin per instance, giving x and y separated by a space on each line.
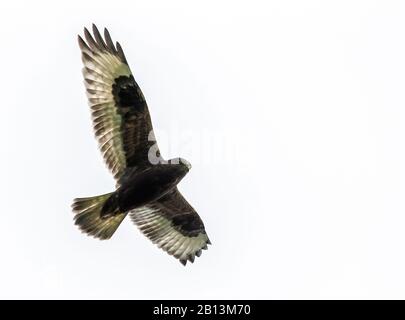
291 113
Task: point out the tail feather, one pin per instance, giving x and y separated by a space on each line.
88 217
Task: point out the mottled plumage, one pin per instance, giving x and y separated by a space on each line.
146 183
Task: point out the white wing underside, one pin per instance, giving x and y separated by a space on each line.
161 232
101 67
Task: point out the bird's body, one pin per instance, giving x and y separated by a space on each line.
143 186
146 183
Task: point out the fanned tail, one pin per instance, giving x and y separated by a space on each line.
91 220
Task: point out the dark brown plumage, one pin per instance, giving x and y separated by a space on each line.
146 183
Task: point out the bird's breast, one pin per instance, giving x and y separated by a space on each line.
144 188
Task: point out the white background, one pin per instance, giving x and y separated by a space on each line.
300 105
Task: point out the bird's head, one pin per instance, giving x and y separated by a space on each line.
185 163
182 162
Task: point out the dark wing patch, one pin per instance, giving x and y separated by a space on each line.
120 114
173 225
127 95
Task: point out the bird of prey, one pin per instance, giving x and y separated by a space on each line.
146 186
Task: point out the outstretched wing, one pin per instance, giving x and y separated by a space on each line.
173 224
120 115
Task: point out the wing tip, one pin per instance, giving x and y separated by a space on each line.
191 256
99 39
109 42
86 31
120 52
82 44
96 42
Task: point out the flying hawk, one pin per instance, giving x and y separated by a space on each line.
146 184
